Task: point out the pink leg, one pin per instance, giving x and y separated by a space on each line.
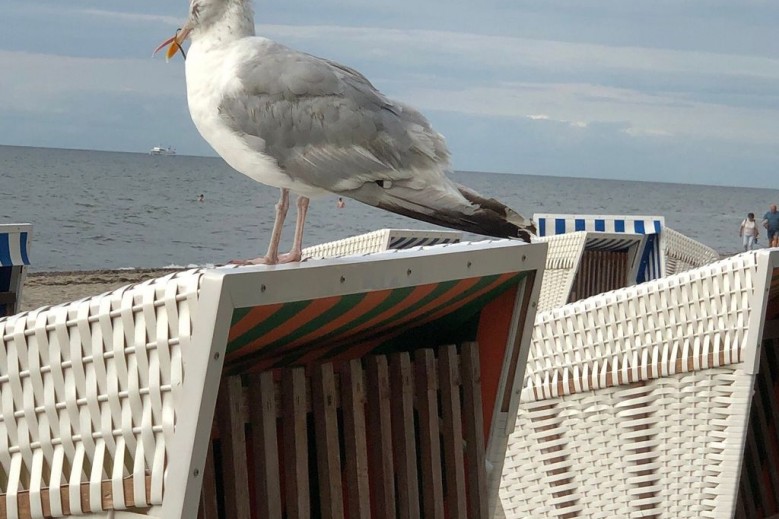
296 252
272 256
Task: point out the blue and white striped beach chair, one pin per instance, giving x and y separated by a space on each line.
14 259
664 252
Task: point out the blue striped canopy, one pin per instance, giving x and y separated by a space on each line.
14 248
550 225
652 265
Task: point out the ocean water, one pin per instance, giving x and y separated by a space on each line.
96 210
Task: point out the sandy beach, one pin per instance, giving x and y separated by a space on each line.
51 288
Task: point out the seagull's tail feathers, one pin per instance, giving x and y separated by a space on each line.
454 206
492 214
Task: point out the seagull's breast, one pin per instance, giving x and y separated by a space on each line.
211 76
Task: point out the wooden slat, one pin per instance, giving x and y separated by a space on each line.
429 442
208 504
403 435
454 469
380 437
295 427
355 444
233 442
473 424
327 445
262 412
107 498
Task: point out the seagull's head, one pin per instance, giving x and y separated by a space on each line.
204 14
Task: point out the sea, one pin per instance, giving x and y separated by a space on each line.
95 210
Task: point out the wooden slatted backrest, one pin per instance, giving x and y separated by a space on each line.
397 435
598 272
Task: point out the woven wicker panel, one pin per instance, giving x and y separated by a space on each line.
87 392
693 320
364 244
379 241
661 448
683 253
634 401
561 262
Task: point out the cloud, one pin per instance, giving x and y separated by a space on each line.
588 104
505 52
660 91
566 76
35 81
134 17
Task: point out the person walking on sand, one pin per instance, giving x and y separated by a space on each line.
749 232
771 223
340 204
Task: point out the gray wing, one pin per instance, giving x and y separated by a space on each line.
325 124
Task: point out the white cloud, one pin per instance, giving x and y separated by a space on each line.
487 83
38 82
504 52
646 92
585 104
135 17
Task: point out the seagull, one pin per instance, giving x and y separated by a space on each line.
311 126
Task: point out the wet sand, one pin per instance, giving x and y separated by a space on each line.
51 288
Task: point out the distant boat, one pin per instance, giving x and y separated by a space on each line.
159 150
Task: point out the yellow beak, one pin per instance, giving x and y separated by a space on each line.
174 44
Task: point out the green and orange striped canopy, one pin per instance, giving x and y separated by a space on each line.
352 325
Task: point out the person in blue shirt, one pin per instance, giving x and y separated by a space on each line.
771 223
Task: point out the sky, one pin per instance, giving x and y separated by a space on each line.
664 90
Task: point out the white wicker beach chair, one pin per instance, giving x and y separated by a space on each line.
657 400
683 253
381 240
107 404
664 251
14 260
581 264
